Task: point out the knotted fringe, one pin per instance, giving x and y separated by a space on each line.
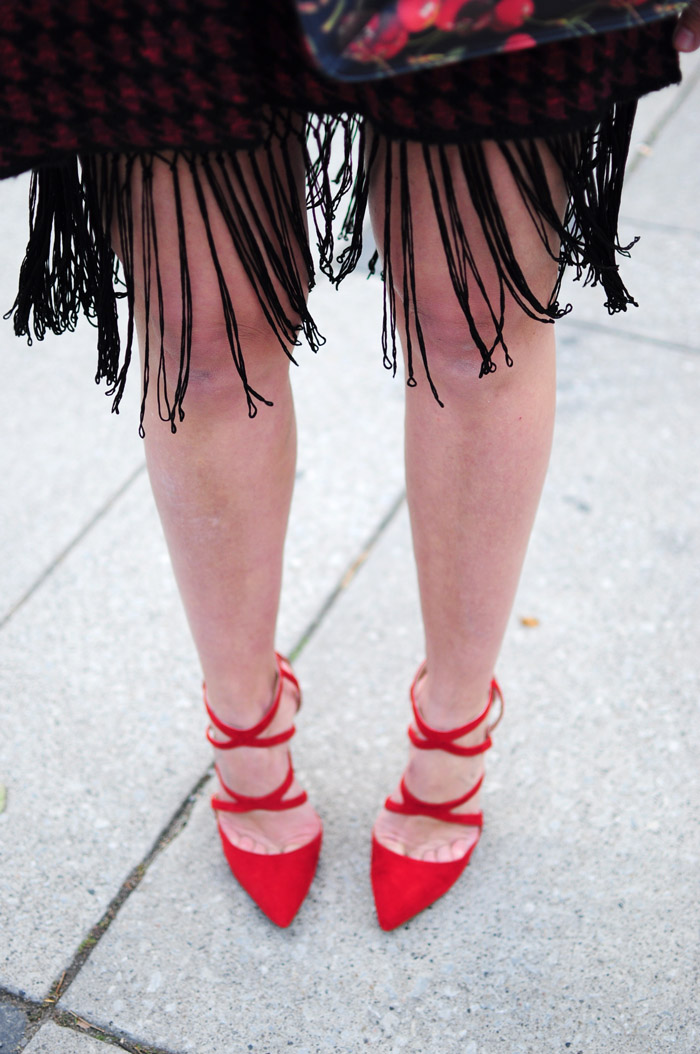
592 162
81 213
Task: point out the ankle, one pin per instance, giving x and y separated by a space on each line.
242 701
445 703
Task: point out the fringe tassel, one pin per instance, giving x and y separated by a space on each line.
70 266
593 165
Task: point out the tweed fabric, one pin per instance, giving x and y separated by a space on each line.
83 76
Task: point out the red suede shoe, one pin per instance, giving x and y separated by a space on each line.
403 886
277 882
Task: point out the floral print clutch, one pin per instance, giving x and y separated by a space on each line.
366 39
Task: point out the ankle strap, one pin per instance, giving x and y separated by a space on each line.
410 805
271 802
427 738
250 737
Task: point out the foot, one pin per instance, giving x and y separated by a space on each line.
254 772
435 776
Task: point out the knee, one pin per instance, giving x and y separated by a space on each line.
216 351
463 342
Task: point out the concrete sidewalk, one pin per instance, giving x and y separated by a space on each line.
576 928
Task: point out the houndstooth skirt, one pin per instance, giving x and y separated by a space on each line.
94 91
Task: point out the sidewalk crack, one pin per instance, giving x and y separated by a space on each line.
68 549
39 1013
655 225
347 576
626 334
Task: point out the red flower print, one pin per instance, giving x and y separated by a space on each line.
518 42
415 15
382 38
470 15
404 35
510 14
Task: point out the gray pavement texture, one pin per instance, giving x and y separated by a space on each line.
576 928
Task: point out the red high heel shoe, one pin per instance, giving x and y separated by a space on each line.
277 882
401 885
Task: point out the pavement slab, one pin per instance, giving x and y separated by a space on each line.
348 477
667 310
659 206
52 1039
531 951
669 186
101 738
63 456
13 1028
654 110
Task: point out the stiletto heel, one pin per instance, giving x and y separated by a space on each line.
277 882
401 885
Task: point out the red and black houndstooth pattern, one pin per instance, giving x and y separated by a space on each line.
104 75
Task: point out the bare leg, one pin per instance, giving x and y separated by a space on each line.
474 470
223 486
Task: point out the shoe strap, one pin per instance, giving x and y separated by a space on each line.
410 805
271 802
251 737
427 738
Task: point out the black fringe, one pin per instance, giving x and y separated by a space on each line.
70 266
593 165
